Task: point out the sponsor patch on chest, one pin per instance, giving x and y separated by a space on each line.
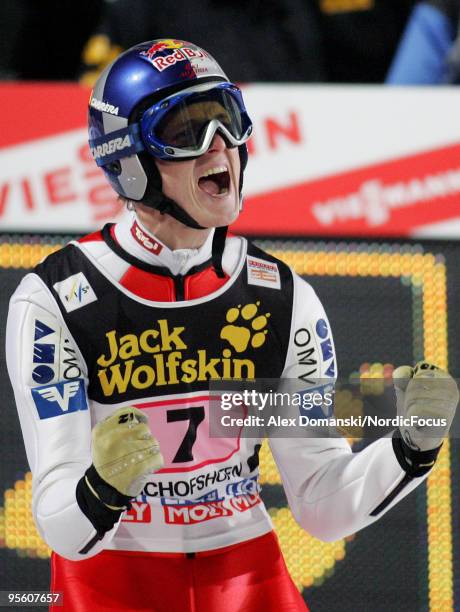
263 273
75 292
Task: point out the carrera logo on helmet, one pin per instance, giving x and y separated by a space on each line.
161 45
104 106
145 241
179 55
107 148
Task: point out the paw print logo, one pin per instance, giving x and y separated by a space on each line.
250 328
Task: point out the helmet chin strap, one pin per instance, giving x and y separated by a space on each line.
167 206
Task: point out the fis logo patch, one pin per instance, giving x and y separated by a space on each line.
61 398
75 292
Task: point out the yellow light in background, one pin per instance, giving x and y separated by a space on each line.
309 560
17 528
13 255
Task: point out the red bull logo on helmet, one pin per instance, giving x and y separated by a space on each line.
180 52
161 45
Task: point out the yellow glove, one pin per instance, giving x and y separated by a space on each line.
427 397
124 451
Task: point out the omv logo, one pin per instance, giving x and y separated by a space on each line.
327 351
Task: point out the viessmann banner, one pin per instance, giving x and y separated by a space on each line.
324 160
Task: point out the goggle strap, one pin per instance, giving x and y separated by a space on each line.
117 145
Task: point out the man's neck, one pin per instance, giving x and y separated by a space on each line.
172 233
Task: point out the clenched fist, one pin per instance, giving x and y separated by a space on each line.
427 398
124 451
124 454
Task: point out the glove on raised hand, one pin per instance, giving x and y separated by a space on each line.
423 393
124 455
426 392
124 451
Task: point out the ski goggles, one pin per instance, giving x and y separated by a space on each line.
184 124
181 126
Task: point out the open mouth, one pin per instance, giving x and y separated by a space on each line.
215 181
